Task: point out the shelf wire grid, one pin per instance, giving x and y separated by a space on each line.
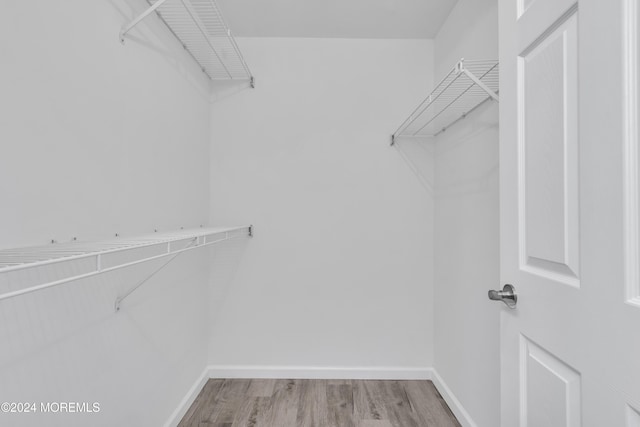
108 255
201 29
457 95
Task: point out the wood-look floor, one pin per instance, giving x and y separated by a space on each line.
318 403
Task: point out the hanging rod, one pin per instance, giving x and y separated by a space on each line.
201 29
32 257
468 85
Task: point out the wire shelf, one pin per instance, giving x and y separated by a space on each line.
107 255
201 29
468 85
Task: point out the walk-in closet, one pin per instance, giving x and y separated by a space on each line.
280 213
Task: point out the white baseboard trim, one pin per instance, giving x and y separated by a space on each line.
316 372
188 399
454 404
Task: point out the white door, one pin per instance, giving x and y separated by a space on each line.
570 350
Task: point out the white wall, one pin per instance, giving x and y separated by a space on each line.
340 271
100 138
467 226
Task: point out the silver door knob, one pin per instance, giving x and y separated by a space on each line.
507 295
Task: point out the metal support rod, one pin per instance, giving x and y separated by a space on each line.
156 271
137 20
479 82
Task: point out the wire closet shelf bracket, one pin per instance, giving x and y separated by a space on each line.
201 29
467 86
108 255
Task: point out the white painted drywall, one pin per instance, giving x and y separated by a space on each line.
466 224
98 138
339 273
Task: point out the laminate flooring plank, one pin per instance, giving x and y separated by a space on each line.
206 398
251 411
340 405
374 423
368 401
425 405
430 404
282 409
339 382
227 402
443 403
312 406
261 387
318 403
397 404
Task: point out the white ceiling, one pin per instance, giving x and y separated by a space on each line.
336 18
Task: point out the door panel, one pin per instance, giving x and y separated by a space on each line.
550 388
523 5
548 149
548 220
569 211
537 16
